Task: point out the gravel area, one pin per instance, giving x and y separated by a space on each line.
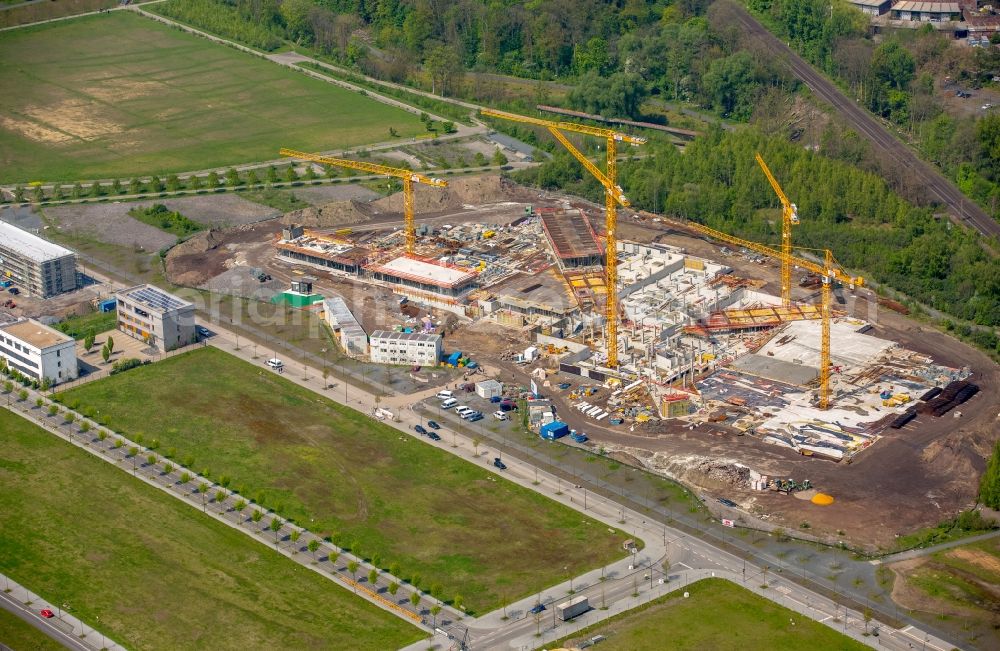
324 194
111 223
220 210
22 217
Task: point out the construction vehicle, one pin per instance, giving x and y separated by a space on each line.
613 196
408 177
789 217
829 271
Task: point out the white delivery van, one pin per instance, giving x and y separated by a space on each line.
444 395
463 410
449 403
275 363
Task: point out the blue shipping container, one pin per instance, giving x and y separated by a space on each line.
554 430
108 305
454 357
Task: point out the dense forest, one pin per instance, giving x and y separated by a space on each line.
869 227
902 78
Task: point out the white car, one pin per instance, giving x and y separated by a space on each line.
500 415
275 363
462 410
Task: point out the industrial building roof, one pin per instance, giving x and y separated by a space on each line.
928 7
403 336
154 298
29 245
426 271
35 334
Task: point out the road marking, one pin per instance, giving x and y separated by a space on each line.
685 565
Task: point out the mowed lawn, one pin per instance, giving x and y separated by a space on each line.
159 574
118 95
336 471
718 615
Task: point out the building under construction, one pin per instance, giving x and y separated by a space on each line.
572 238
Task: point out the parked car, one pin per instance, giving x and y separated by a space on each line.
500 415
14 290
474 417
419 429
537 608
499 464
462 410
724 502
275 363
46 613
433 424
434 436
203 331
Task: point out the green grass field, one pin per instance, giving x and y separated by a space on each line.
19 635
118 95
718 615
79 326
338 472
159 574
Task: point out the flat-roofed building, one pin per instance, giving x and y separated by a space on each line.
425 279
152 315
38 351
352 336
388 347
35 265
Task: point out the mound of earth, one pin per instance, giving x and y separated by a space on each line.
474 190
337 213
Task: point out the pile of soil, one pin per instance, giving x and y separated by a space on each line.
337 213
468 190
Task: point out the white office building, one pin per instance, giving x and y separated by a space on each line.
353 338
404 348
38 351
36 266
155 317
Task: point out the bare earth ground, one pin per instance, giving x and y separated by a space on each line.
109 222
323 194
224 209
912 478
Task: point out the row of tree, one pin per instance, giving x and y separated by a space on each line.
867 225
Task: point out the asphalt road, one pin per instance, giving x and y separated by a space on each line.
45 626
938 187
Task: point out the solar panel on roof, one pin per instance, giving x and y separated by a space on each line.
156 299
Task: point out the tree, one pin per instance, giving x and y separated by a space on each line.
989 485
76 192
290 175
435 609
393 587
39 194
294 536
372 576
185 477
57 191
445 68
134 186
220 496
620 95
893 65
352 567
195 182
275 527
88 341
866 614
257 515
116 187
252 179
203 489
212 181
240 505
666 571
448 127
110 343
475 439
232 177
312 546
105 354
498 157
415 599
151 459
168 468
272 174
155 184
173 183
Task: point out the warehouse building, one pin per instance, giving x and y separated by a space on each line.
353 338
36 266
152 315
872 7
38 351
405 348
933 12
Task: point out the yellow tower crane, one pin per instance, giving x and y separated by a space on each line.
408 177
789 216
830 270
613 196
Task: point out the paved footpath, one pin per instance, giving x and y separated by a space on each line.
64 628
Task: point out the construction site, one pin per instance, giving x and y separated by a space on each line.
730 365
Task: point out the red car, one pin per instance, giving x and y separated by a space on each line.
46 613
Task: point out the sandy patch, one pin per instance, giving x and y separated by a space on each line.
76 117
33 131
978 558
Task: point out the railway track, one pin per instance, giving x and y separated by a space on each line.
940 189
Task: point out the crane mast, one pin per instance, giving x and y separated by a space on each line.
408 177
613 197
789 217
